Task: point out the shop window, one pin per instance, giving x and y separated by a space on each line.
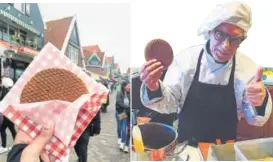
74 36
13 35
18 73
9 72
22 38
73 54
3 32
40 43
28 9
3 27
20 7
31 40
12 31
94 61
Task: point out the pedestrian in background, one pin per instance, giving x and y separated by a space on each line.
6 85
123 115
81 147
106 102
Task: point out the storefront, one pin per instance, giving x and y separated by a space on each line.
14 64
18 68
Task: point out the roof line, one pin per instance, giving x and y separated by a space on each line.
81 50
66 40
41 13
103 59
93 55
60 18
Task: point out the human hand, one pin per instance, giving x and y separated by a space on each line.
35 148
150 74
256 90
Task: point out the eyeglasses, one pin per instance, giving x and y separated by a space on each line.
221 36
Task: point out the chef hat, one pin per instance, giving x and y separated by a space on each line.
236 13
7 82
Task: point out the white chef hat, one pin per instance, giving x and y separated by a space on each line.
7 82
235 12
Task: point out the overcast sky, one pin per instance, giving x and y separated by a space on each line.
105 24
123 29
177 21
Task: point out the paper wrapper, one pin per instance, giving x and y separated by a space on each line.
70 119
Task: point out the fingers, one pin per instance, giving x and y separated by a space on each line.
256 91
150 73
151 69
22 138
254 88
148 63
255 103
255 98
38 144
152 79
155 74
259 74
44 156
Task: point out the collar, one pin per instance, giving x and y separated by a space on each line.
210 60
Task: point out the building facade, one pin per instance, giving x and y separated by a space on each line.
63 33
21 37
94 60
109 65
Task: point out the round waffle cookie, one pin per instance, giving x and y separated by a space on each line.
160 50
53 84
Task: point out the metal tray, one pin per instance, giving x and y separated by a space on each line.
254 149
224 152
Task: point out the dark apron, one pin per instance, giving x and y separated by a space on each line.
209 111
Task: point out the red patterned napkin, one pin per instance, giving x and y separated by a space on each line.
70 118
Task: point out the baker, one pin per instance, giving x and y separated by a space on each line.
214 84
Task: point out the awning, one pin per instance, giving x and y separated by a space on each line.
19 53
16 55
19 22
105 77
96 76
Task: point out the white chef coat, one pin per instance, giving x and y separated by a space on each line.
180 75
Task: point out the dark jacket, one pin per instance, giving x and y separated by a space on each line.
144 111
95 125
15 153
120 106
3 92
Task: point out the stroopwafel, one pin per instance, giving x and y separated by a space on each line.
160 50
53 84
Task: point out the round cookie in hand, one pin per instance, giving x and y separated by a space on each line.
160 50
53 84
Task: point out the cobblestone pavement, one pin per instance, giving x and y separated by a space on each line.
102 148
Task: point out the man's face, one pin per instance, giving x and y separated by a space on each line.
224 41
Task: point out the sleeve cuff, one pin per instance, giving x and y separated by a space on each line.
154 94
150 97
15 153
